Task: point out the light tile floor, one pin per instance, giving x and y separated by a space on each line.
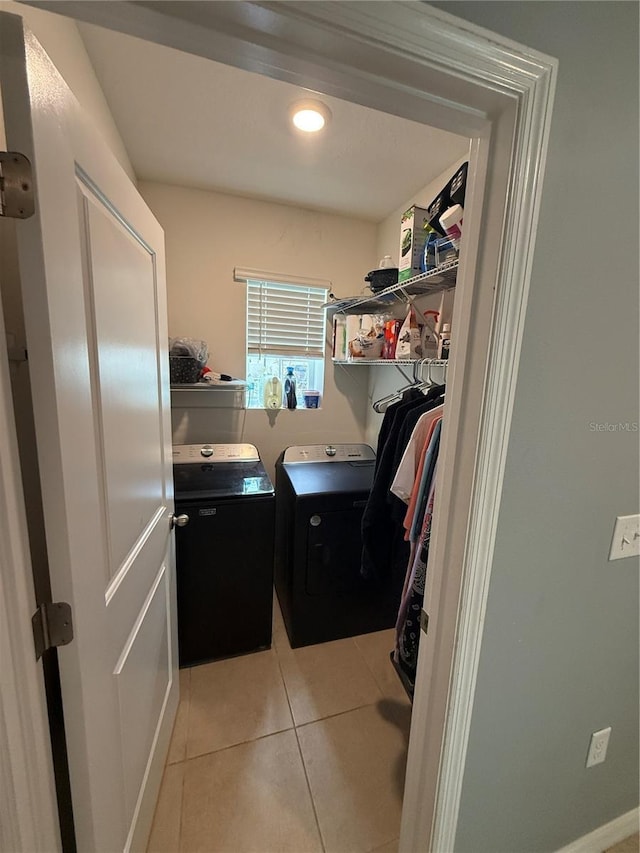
629 845
287 751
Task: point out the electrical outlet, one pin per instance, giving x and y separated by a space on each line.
626 537
598 747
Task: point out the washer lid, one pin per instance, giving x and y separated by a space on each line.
210 480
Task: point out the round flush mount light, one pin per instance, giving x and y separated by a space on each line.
309 116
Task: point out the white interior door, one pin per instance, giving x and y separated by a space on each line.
93 280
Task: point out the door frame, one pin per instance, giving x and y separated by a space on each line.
417 62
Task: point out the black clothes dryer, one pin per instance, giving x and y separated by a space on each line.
224 554
321 492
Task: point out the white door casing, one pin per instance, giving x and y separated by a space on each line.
93 283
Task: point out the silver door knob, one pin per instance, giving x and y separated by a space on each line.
179 520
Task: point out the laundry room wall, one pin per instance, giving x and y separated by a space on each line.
207 235
386 379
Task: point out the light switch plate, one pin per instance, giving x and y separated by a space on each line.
626 537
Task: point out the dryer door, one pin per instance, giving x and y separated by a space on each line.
334 551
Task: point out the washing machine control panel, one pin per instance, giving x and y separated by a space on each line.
185 453
329 453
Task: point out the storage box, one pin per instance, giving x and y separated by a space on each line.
412 240
311 399
184 370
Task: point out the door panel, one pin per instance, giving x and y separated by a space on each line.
93 286
142 688
121 289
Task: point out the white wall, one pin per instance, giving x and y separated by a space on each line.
60 37
386 379
207 235
560 648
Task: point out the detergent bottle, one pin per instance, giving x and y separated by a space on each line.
290 401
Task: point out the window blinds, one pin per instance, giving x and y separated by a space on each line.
285 319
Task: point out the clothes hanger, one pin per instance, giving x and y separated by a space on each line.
427 383
380 406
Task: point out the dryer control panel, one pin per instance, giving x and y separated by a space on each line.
329 453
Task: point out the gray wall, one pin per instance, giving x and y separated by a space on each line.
560 649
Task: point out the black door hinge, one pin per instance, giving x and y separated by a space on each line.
52 626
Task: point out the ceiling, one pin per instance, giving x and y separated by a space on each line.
194 122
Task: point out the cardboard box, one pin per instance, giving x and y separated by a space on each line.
412 240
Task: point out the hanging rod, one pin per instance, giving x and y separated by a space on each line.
380 406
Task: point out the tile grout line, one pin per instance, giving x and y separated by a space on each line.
155 811
313 803
373 675
180 822
234 745
188 757
338 714
304 766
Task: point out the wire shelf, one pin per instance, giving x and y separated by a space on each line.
434 281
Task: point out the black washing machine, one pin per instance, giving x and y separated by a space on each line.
224 554
321 492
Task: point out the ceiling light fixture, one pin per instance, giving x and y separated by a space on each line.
309 116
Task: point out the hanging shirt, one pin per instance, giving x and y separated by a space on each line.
421 478
413 566
379 528
426 483
399 508
408 624
405 477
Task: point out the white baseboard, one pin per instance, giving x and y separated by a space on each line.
606 836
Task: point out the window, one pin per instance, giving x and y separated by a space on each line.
285 328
